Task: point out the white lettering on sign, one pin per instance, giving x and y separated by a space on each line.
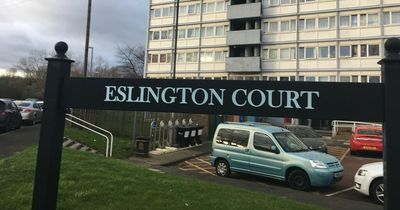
288 99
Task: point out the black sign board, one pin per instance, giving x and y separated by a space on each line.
348 101
345 101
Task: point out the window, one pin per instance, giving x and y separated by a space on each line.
373 50
344 51
323 23
344 21
164 34
354 50
210 31
191 57
210 7
192 9
181 57
310 52
353 21
165 12
332 22
183 10
273 2
374 79
310 79
157 13
285 25
301 53
293 25
219 56
263 142
310 24
220 6
156 35
154 58
363 50
191 33
386 18
344 79
395 17
354 78
206 56
323 79
363 19
285 79
323 52
219 31
273 78
182 33
364 78
301 78
273 27
285 1
332 51
293 53
301 25
373 19
163 58
273 54
285 53
233 137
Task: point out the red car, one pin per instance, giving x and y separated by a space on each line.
366 138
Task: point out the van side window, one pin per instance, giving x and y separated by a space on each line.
262 142
233 137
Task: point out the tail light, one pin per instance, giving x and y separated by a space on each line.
27 110
3 114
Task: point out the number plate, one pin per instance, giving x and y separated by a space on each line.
369 148
338 174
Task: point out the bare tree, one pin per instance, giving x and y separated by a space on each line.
132 58
34 67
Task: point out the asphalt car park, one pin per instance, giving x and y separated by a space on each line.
343 189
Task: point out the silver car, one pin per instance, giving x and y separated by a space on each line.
31 111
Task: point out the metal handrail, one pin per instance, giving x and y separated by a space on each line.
109 144
335 125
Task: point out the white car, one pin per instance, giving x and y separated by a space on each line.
31 111
369 181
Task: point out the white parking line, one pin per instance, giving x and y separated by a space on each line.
341 191
203 161
344 155
200 168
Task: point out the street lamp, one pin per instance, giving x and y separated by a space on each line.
85 61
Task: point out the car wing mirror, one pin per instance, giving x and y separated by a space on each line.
275 149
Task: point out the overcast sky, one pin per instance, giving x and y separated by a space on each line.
27 25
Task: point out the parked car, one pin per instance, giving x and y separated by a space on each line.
31 111
366 138
10 117
273 152
309 137
369 181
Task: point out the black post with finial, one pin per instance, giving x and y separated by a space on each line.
51 132
391 79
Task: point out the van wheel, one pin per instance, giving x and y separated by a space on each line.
222 168
299 180
378 191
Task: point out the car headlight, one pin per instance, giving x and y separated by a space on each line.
362 172
317 164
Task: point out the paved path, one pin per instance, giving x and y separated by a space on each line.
18 140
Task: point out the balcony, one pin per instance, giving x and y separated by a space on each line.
240 11
244 37
243 64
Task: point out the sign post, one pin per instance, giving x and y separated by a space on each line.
51 132
391 79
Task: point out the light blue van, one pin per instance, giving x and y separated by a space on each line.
274 152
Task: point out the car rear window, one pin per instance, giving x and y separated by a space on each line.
369 132
303 132
25 104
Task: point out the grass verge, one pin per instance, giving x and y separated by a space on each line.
122 147
89 181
